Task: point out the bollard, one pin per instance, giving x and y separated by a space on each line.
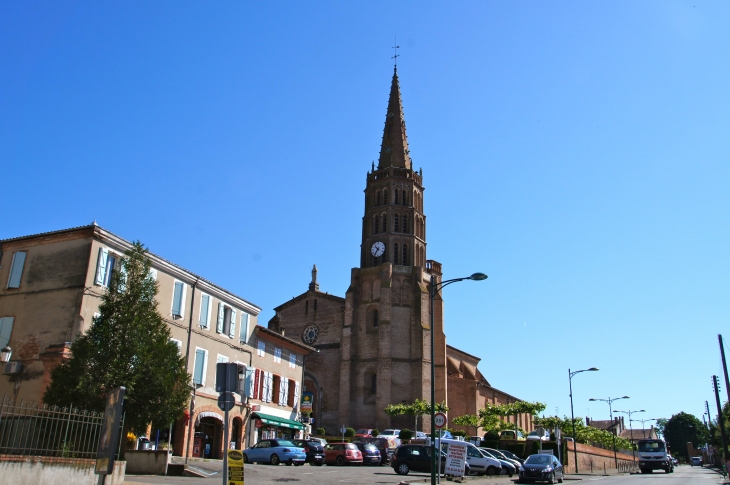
604 469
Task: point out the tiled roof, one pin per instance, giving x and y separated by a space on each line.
639 434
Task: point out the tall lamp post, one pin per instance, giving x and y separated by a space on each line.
435 287
631 428
610 411
572 416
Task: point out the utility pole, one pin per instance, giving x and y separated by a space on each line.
720 419
724 366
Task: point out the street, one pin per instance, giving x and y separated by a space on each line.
330 475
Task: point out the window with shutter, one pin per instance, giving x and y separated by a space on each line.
232 328
290 393
178 343
199 367
284 400
221 316
296 394
111 262
292 360
256 384
261 348
248 384
270 391
277 355
177 300
16 270
6 328
204 310
244 327
101 266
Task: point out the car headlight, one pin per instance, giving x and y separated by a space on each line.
548 469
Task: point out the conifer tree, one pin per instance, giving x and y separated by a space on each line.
127 345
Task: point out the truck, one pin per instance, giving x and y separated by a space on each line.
654 455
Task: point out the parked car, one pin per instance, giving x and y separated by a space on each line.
275 452
363 433
413 457
512 456
510 434
370 453
501 456
386 446
478 463
322 441
543 435
314 450
696 460
546 468
508 467
390 432
420 435
342 453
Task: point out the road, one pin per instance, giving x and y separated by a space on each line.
329 475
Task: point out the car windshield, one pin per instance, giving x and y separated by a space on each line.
285 443
651 446
539 460
388 431
351 446
486 453
497 454
363 431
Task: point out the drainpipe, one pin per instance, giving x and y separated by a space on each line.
187 366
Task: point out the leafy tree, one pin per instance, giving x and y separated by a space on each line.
415 409
660 425
350 432
683 428
584 434
491 418
127 345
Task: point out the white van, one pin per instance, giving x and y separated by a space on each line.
475 461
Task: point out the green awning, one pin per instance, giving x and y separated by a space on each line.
277 421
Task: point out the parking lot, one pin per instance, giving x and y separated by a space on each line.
306 475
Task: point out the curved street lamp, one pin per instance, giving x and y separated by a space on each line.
631 427
435 287
575 438
610 411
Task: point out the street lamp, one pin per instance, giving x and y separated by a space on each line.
610 411
5 354
631 428
575 438
435 287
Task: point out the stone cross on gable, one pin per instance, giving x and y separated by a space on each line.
314 286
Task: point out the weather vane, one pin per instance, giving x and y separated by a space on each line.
395 52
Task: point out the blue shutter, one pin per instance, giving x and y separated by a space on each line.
199 366
101 266
6 327
221 315
16 270
204 303
177 299
232 330
248 383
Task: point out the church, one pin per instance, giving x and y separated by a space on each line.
374 345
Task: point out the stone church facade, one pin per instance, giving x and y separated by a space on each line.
374 344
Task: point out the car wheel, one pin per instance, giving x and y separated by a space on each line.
560 480
402 469
289 463
491 470
340 460
552 478
245 458
274 460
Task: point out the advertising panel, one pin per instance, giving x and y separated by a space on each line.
235 467
455 460
109 437
307 400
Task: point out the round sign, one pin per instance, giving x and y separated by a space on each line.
439 420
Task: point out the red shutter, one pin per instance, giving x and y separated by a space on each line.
290 400
256 384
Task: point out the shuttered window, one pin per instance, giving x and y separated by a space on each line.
244 327
16 270
277 355
232 325
261 348
201 356
292 360
221 316
6 328
248 386
205 305
178 300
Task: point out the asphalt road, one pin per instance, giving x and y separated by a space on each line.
333 475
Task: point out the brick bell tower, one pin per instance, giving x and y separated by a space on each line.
385 343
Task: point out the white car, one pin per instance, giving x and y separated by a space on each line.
387 433
537 435
476 462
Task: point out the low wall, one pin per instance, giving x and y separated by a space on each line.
34 470
593 460
147 462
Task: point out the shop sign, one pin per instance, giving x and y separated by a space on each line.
307 400
455 460
259 423
235 467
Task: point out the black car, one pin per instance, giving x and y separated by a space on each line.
314 450
413 457
507 466
380 443
512 456
544 468
370 453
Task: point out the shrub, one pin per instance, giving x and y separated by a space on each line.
492 435
374 433
516 448
535 448
321 432
349 432
405 434
458 432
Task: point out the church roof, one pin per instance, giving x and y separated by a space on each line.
394 149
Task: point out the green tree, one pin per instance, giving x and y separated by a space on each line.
417 408
683 428
127 345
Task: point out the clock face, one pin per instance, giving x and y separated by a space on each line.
378 249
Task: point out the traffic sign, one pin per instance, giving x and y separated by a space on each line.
439 420
226 401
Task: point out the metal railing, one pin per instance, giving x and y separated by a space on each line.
40 430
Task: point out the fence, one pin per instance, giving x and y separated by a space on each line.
40 430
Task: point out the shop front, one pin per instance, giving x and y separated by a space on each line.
267 426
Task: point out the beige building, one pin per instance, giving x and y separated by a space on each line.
375 343
52 284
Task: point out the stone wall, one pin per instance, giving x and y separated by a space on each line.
593 460
147 462
34 470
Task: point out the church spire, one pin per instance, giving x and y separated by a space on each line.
394 149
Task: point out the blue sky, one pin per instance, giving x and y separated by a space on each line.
576 152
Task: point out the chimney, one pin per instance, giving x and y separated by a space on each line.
283 332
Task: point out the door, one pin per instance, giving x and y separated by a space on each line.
475 459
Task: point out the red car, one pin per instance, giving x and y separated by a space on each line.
364 433
342 453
